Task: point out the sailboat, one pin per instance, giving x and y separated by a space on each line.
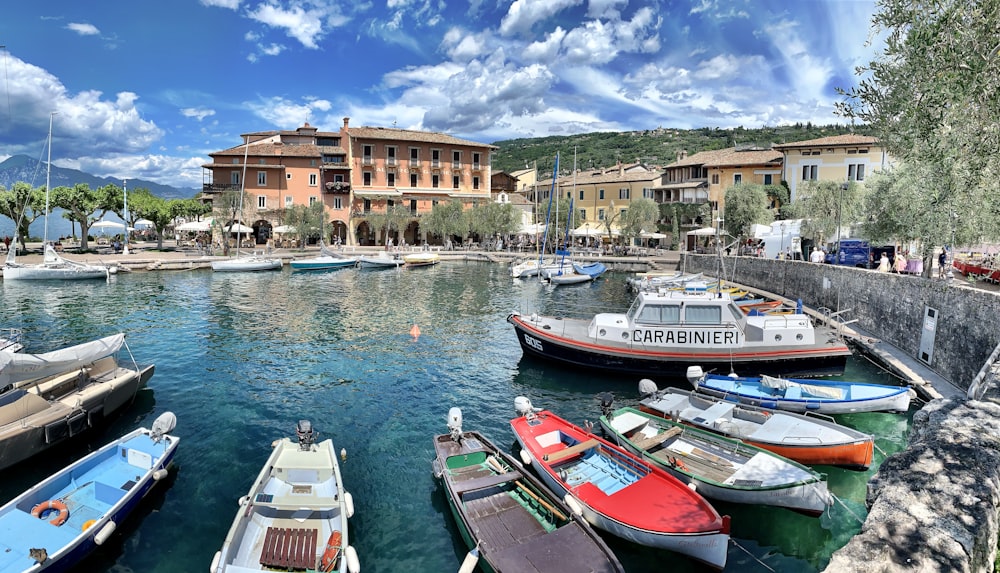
253 261
53 266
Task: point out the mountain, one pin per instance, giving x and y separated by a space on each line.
26 169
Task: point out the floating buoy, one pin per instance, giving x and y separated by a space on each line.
343 454
415 331
471 560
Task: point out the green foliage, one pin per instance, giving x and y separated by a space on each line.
490 219
81 204
746 205
933 98
446 219
306 219
641 216
23 205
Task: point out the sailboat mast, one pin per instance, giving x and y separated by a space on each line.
48 172
243 190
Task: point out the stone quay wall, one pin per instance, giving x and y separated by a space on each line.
887 306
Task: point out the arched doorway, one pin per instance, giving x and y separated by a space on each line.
338 232
364 234
262 231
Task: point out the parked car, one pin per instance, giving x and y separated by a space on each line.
859 253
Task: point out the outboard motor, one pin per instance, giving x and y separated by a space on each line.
607 400
164 423
647 388
306 434
695 374
455 423
523 407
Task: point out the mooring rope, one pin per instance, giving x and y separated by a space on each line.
752 556
844 505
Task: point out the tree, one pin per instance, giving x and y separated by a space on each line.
932 97
747 205
676 214
24 206
82 203
494 219
826 204
641 216
228 207
397 217
306 219
447 219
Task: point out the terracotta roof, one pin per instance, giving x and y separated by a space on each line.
729 157
627 174
286 150
365 132
833 140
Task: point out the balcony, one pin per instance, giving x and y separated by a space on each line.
337 187
219 187
367 160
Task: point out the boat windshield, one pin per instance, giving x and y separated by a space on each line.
658 314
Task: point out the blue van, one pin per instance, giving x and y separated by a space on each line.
858 253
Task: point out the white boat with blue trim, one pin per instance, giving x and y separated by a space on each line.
55 524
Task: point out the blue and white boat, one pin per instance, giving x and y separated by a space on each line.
797 395
56 523
327 260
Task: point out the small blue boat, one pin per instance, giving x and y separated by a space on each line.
56 523
593 270
801 395
323 263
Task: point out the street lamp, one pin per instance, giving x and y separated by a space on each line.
840 204
125 212
781 247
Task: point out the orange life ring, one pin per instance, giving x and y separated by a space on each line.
332 553
55 504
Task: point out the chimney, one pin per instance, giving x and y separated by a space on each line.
346 121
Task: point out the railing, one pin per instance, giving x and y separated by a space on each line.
367 160
337 187
390 161
219 187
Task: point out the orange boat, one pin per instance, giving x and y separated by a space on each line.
809 439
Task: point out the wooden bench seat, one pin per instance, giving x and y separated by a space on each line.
570 451
647 443
288 548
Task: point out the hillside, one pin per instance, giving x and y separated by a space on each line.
26 169
655 147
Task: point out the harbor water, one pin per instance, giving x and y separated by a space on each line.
241 357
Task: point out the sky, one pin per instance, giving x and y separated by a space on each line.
148 89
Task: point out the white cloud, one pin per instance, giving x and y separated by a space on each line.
282 112
83 29
605 8
599 42
198 113
460 45
230 4
303 25
546 50
523 14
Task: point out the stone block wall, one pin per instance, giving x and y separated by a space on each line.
886 305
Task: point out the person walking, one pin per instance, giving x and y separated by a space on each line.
883 264
900 262
942 263
817 256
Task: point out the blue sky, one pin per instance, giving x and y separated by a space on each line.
147 89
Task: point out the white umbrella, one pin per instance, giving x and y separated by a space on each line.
594 230
198 226
144 223
102 224
654 235
533 229
237 228
284 229
703 232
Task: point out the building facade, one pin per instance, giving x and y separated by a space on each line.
841 158
356 172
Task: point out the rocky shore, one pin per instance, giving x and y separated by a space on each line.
933 507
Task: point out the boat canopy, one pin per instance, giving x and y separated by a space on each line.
18 367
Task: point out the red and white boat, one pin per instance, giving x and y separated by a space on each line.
808 439
617 491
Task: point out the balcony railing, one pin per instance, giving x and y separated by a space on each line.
337 187
367 160
220 187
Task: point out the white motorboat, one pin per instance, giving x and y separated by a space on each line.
247 263
421 259
295 516
11 339
47 398
380 260
327 260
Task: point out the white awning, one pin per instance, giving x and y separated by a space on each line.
703 232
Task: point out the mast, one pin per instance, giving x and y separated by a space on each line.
548 214
243 189
48 171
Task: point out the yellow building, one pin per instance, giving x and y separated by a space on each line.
599 194
841 158
355 171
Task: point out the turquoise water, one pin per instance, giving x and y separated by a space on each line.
241 357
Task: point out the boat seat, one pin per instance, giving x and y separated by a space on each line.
289 549
647 443
486 482
793 392
711 416
571 451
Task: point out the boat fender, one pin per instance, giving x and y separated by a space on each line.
243 500
43 508
104 533
275 443
693 486
470 562
353 564
525 458
215 561
349 503
573 504
160 474
343 454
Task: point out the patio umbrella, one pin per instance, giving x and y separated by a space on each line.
102 224
281 229
197 226
237 228
144 223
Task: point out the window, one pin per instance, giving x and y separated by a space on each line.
600 214
435 158
288 200
809 172
367 179
367 206
581 195
413 179
236 161
715 179
600 194
312 179
455 180
702 314
623 193
475 182
647 193
338 203
767 179
262 162
338 178
456 158
414 156
261 202
583 214
475 161
435 180
390 155
366 154
856 172
390 179
288 176
312 201
413 206
737 178
659 314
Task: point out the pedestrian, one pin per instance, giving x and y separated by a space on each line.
942 262
900 262
883 264
816 256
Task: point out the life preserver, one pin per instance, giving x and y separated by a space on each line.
332 553
53 504
677 463
87 524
